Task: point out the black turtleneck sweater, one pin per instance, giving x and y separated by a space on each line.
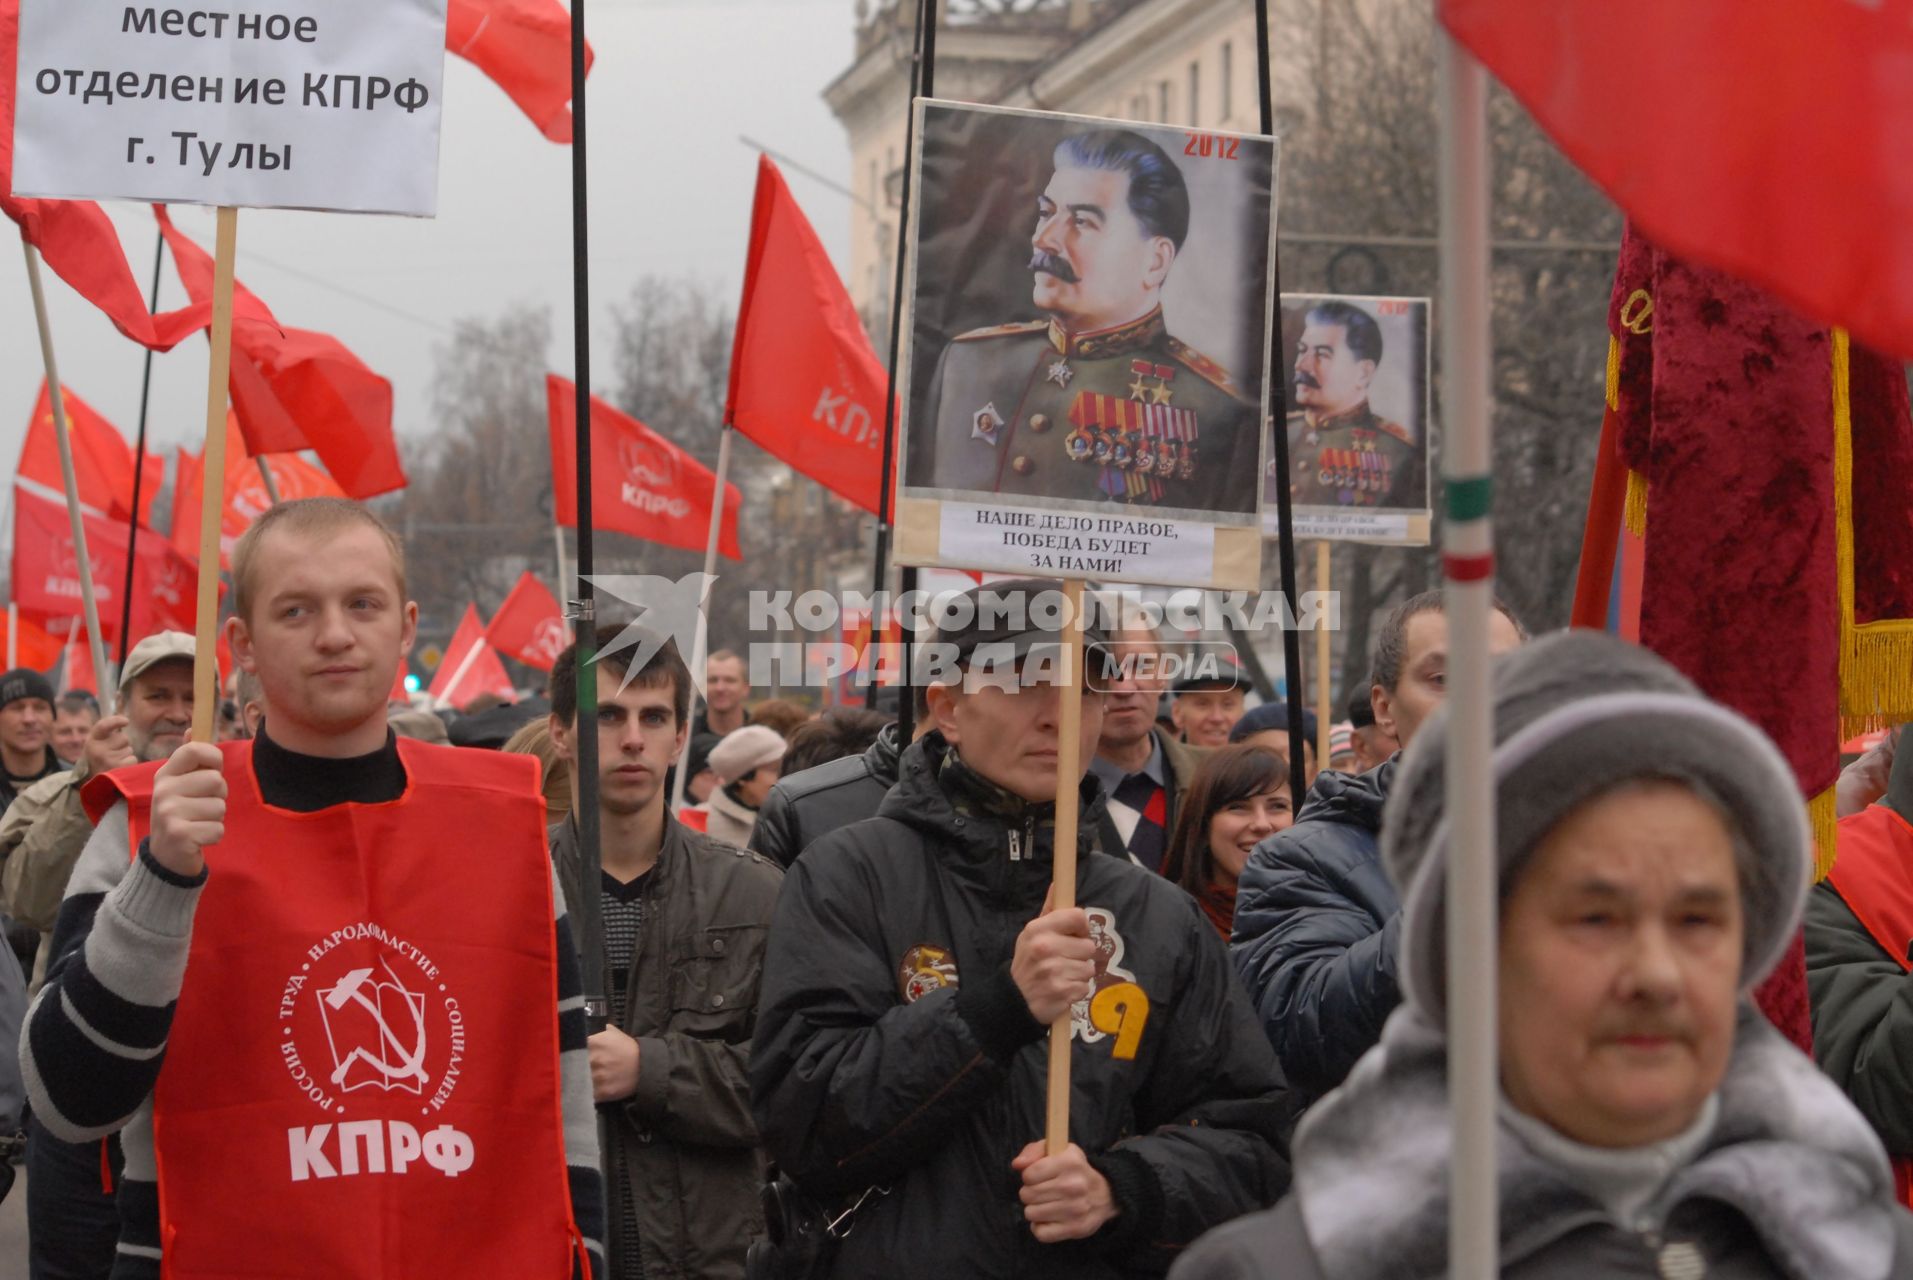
307 784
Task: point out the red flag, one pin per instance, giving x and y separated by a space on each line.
246 498
529 626
805 384
642 484
46 577
77 672
102 460
75 237
1765 140
457 681
294 389
33 647
525 47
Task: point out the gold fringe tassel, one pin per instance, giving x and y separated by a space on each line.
1876 658
1613 373
1821 818
1634 514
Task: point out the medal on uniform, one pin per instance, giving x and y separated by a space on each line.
985 423
1145 457
1187 469
1102 446
1060 373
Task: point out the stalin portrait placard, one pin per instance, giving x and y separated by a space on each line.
1086 369
1358 418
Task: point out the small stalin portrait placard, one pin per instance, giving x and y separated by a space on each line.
1358 418
1087 360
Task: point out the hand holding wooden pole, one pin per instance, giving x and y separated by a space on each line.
1069 777
1324 711
213 461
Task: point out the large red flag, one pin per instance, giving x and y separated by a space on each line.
102 460
75 237
525 47
457 681
246 498
294 389
805 384
46 576
1763 139
642 484
529 626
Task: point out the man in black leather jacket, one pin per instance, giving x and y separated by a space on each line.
910 979
814 802
1316 919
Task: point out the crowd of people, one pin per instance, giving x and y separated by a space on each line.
310 1000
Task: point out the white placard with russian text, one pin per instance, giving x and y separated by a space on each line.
1070 544
264 104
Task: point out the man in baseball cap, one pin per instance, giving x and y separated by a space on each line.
73 1223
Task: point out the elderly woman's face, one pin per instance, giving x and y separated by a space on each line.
1619 963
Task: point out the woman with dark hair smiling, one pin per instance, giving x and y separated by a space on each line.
1238 798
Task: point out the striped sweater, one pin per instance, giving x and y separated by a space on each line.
96 1034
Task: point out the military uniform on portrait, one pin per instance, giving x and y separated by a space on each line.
1124 415
1356 458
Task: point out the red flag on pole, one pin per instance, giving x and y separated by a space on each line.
294 389
529 626
525 47
245 495
102 459
643 485
805 384
469 667
33 647
76 669
76 237
46 582
1764 140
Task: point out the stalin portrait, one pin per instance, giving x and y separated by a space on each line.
1095 400
1343 453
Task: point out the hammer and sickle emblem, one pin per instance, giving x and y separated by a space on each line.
1637 313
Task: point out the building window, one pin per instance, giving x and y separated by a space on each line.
1228 81
1195 94
1162 101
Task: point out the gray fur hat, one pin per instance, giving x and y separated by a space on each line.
1576 714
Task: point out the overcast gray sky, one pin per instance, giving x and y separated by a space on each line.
675 83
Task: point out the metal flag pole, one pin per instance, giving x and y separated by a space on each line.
265 477
1284 506
57 401
920 81
139 462
1468 568
587 910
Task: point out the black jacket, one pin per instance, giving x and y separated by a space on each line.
817 801
685 1142
1862 1021
1316 923
893 1048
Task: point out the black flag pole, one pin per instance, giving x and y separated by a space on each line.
139 467
1284 507
922 84
586 911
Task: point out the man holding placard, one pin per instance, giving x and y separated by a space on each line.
313 979
914 970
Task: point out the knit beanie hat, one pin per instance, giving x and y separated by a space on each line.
743 750
24 682
1577 714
